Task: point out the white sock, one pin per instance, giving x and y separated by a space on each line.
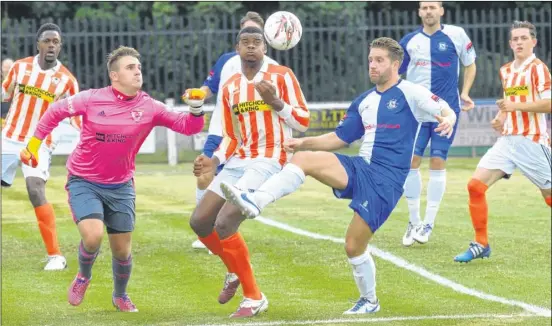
364 272
199 194
435 191
412 192
279 185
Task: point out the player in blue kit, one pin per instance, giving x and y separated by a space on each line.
432 58
387 117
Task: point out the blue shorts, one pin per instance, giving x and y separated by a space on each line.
113 204
439 145
373 197
211 145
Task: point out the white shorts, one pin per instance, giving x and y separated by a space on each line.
249 175
10 161
511 152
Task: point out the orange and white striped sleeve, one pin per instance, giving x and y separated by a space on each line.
230 141
72 89
540 76
8 84
295 112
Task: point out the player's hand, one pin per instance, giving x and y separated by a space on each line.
498 122
29 154
194 97
445 127
467 103
506 106
267 91
204 165
293 144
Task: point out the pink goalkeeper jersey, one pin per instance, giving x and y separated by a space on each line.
113 131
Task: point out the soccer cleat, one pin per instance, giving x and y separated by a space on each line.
198 245
363 306
55 263
77 290
421 234
249 307
244 200
474 251
124 304
408 238
231 284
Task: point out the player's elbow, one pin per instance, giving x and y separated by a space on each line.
301 128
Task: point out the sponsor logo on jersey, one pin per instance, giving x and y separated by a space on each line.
517 91
253 106
36 92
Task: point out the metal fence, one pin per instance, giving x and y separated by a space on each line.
330 61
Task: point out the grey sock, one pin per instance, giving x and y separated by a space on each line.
86 260
121 275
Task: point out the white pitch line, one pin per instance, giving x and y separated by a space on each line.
378 320
400 262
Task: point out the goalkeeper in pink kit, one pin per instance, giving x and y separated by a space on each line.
116 121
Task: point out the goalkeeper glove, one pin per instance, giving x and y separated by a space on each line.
29 154
194 97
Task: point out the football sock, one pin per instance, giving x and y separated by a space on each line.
548 201
237 251
47 224
364 272
279 185
121 275
412 192
435 191
213 243
478 210
86 260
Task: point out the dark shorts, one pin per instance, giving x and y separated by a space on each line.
372 196
114 205
439 145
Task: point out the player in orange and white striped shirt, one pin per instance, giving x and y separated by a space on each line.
261 106
525 143
32 84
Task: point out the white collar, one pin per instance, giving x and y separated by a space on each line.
53 69
523 64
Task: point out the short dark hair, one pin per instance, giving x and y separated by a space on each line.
439 2
249 30
122 51
47 27
395 50
524 24
254 17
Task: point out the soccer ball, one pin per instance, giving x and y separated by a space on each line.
283 30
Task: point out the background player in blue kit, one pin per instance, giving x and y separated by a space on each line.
432 58
387 117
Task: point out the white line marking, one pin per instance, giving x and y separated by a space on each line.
377 320
398 261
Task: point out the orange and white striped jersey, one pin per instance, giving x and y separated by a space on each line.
528 83
251 128
31 91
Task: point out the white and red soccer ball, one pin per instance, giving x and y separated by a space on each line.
283 30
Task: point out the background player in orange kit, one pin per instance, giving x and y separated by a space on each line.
32 84
524 144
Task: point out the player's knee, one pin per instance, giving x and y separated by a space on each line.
416 161
36 190
225 227
92 241
476 187
200 224
354 248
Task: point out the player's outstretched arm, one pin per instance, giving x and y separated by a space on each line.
180 122
68 107
326 142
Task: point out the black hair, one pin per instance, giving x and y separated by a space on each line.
47 27
249 30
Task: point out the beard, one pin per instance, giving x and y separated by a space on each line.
382 78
